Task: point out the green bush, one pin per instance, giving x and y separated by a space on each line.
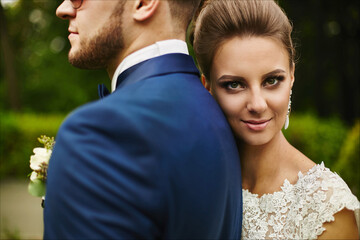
348 164
319 139
19 133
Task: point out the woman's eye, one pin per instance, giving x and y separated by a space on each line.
234 85
272 81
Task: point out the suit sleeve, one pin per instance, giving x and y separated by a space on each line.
104 181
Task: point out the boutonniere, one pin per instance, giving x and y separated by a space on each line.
39 164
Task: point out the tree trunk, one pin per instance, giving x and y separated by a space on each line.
11 80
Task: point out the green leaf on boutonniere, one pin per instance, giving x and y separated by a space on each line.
37 188
48 142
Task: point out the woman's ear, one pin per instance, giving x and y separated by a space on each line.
144 9
292 74
205 83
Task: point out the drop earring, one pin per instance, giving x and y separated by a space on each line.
287 120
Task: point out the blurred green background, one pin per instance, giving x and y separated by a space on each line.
38 87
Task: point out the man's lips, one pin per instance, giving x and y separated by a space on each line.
256 125
72 32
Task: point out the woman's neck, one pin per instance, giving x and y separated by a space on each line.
263 166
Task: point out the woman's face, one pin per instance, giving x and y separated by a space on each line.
251 80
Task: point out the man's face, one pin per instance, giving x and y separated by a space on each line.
95 32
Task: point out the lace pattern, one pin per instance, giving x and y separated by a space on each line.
297 211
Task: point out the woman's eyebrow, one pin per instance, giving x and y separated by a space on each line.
230 77
227 77
277 71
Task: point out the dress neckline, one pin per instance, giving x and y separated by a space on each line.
286 182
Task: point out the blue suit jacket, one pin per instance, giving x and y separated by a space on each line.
155 159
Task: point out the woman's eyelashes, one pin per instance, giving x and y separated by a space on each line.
237 85
233 85
273 81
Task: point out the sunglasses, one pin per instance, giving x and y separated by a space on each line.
76 3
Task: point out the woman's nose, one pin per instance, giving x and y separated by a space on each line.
256 102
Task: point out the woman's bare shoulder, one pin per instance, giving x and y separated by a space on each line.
343 227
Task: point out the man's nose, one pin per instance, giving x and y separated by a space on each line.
256 102
65 10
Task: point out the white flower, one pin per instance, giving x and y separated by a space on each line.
42 155
33 176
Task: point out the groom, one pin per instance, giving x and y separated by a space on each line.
155 159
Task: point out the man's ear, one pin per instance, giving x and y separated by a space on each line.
205 83
144 9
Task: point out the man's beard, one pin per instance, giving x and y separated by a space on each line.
98 51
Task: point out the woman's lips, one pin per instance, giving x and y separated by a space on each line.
256 125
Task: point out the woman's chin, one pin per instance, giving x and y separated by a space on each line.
255 139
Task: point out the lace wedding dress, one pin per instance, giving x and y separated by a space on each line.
297 211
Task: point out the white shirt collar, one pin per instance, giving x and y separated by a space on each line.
154 50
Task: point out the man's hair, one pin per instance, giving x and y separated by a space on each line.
182 11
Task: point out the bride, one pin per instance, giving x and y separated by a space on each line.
245 52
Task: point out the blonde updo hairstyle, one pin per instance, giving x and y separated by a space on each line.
220 20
